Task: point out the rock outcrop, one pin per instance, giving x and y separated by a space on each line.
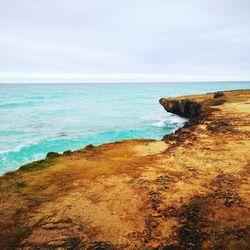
218 94
186 108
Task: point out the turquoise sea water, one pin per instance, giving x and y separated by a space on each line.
36 119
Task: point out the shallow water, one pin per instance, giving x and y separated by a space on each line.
36 119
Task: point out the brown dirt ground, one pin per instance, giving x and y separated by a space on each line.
190 191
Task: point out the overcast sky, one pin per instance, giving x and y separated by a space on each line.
124 40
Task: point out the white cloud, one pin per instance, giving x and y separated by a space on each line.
136 40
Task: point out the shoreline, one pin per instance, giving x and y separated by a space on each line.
129 194
40 124
69 151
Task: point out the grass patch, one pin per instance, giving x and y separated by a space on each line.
89 147
10 173
67 152
37 165
21 185
53 155
214 102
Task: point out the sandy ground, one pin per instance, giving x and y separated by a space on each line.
190 191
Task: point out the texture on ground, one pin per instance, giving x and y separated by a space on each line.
189 191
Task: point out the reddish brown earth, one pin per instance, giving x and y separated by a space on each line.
189 191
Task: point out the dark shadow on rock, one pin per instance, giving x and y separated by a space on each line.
101 245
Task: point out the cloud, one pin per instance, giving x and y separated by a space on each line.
128 40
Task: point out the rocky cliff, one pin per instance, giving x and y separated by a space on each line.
189 191
186 108
192 106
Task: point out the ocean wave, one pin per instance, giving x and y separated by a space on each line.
41 145
175 119
172 120
16 104
25 145
18 148
160 123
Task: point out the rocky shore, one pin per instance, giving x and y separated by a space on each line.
189 191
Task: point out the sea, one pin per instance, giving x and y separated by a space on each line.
39 118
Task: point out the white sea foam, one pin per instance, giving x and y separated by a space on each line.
19 147
169 119
175 119
161 122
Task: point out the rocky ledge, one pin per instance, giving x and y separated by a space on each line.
188 191
185 107
191 107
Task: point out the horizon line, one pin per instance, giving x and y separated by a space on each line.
132 82
42 77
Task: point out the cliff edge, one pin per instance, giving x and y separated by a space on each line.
188 191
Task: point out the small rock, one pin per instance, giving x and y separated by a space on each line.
67 152
218 94
89 147
52 155
229 202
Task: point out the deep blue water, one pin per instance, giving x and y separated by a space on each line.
38 118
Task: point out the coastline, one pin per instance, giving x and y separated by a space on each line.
133 194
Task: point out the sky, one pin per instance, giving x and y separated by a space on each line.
124 40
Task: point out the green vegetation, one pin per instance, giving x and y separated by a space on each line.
52 155
214 102
67 152
89 147
37 165
21 185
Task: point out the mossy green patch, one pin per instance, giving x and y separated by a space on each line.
214 102
67 152
10 173
89 147
37 165
53 155
21 185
